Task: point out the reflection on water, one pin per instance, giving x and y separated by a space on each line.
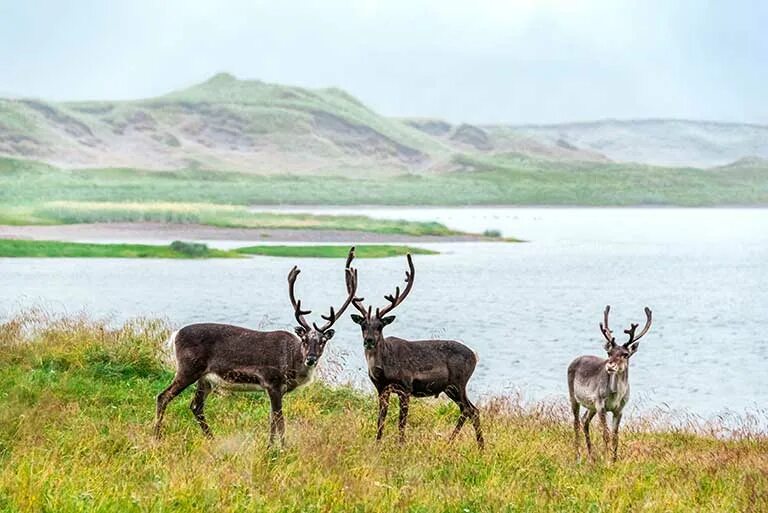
528 309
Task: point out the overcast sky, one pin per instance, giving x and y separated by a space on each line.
513 61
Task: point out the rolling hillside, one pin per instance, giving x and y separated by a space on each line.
256 127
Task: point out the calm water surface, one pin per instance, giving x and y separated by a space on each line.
528 309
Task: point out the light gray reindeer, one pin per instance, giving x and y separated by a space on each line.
418 368
602 385
240 359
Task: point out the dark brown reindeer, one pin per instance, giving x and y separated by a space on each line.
419 368
602 385
240 359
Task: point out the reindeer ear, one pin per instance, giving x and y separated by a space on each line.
632 347
358 319
387 320
609 345
300 331
328 335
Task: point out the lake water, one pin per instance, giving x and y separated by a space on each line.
528 309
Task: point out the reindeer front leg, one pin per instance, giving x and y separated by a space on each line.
601 414
383 407
404 398
615 438
276 420
587 419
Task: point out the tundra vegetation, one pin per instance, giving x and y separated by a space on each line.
180 249
28 189
76 403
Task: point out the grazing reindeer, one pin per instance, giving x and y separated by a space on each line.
418 368
603 385
240 359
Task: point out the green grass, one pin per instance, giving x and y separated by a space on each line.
47 248
77 400
179 249
30 190
361 251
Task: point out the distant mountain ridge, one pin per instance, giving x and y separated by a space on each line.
252 126
665 142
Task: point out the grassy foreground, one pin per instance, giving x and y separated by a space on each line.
178 249
76 407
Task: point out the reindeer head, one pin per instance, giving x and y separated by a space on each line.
313 338
618 355
372 323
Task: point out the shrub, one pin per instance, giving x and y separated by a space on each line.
194 249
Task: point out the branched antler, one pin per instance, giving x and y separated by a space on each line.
604 329
397 298
297 311
357 302
631 331
333 315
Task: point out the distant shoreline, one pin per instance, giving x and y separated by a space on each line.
167 232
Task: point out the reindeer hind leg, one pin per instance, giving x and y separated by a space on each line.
586 419
198 404
575 408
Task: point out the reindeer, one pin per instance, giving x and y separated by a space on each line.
241 359
602 385
419 368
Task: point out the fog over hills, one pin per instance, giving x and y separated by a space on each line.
252 126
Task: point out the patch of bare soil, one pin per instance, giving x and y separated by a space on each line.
127 232
363 139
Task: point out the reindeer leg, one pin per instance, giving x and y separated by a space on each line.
404 398
383 408
615 438
575 407
475 416
461 401
166 396
197 405
601 414
587 418
276 420
468 411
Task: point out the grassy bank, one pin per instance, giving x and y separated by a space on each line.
361 251
178 249
25 187
222 216
75 435
47 248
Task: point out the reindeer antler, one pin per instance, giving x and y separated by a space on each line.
333 315
297 311
351 279
357 302
604 329
633 327
397 298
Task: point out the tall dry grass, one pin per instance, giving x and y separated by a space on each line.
76 407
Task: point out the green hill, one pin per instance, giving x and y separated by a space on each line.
248 126
244 142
